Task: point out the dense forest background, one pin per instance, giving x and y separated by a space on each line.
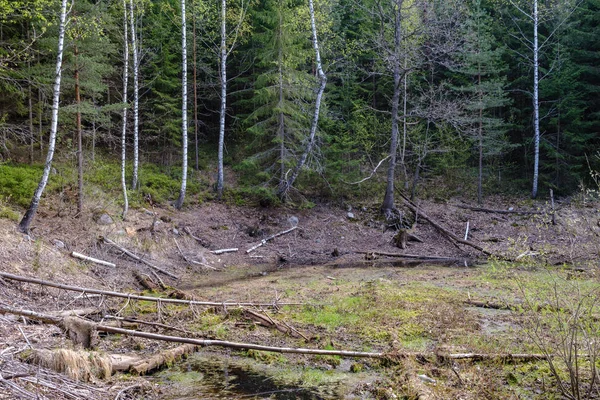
453 79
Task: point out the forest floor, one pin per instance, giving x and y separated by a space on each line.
350 297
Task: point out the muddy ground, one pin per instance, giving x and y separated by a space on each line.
349 300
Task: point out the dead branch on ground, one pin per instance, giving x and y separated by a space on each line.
264 241
137 258
493 211
131 296
91 259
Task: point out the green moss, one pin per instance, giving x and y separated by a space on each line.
18 182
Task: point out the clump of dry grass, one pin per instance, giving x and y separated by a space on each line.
79 365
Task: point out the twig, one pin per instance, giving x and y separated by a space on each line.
26 338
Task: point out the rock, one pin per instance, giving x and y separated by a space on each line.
59 244
104 219
175 231
351 215
293 220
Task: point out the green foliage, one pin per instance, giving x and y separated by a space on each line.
18 182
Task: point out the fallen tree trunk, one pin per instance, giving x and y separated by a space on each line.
252 346
137 297
409 256
492 211
161 359
441 229
137 258
264 241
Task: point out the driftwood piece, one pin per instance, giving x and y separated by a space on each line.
264 241
137 258
493 211
91 259
441 229
137 297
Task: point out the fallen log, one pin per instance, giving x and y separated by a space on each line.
145 281
91 259
137 258
161 359
493 211
441 229
252 346
131 296
264 241
404 255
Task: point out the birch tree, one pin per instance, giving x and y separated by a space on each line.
35 201
287 183
227 44
531 11
136 93
124 112
184 127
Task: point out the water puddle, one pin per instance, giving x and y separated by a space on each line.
202 377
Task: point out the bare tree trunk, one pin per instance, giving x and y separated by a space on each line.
184 128
40 121
136 93
286 184
31 133
79 136
536 103
196 128
223 79
35 201
281 120
388 201
480 137
124 130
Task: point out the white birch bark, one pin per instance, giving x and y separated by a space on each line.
136 123
35 201
223 79
184 130
536 103
285 185
124 130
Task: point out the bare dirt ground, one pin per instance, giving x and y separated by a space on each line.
321 263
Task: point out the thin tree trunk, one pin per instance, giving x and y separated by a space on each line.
184 130
404 126
79 136
536 104
196 127
31 132
281 120
223 79
124 120
35 201
136 91
40 121
285 185
480 136
388 200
